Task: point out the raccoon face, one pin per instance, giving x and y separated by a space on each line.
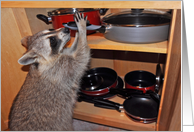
44 46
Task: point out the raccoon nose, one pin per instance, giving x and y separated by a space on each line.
66 30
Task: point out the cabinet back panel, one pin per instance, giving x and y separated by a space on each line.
124 61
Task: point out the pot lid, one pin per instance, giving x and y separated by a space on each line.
138 18
159 77
64 11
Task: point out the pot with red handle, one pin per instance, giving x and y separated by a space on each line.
65 15
144 80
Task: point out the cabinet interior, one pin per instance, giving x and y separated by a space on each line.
123 58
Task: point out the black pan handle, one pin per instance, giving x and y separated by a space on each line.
80 99
107 102
104 106
43 18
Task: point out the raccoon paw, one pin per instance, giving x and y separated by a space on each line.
80 20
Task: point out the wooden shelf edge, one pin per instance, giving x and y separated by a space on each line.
126 126
97 41
129 48
92 4
112 122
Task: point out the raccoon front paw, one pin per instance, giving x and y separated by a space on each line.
80 21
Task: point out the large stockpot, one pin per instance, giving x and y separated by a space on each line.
64 15
134 26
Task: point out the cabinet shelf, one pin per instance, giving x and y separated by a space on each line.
98 41
92 4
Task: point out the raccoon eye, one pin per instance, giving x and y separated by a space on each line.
53 41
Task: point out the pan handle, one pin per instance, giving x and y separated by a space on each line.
105 106
44 18
107 102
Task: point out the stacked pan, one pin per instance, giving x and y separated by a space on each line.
141 99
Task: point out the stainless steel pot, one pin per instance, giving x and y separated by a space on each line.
134 26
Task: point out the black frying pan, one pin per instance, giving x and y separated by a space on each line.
142 107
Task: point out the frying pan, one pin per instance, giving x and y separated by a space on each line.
98 81
143 107
89 99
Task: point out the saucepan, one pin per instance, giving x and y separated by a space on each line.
134 26
144 80
98 81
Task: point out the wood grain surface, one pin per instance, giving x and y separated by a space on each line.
94 4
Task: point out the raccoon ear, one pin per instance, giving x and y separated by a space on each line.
28 58
25 41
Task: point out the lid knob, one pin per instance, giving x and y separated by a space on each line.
137 11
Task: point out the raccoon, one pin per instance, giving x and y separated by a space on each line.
46 100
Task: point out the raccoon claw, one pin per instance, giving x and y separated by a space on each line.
80 20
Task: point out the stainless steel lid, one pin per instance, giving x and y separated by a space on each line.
64 11
138 18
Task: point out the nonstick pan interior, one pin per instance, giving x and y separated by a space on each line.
140 78
141 107
108 75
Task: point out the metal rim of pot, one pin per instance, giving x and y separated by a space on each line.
65 11
138 18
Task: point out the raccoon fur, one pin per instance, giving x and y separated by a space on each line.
46 100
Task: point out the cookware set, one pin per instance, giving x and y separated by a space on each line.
141 102
98 81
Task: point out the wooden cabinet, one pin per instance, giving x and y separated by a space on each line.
15 25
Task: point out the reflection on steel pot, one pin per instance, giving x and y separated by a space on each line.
64 15
135 26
